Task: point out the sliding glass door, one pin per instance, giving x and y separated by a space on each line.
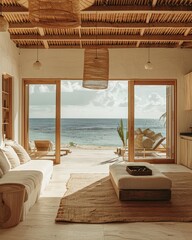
42 116
151 115
153 122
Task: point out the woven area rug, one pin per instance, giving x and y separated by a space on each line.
90 198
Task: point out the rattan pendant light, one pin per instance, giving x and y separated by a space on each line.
57 13
96 68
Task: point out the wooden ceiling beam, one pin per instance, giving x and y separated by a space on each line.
104 37
45 43
112 9
187 45
154 2
42 33
15 10
138 43
114 25
148 17
187 31
142 31
102 46
138 9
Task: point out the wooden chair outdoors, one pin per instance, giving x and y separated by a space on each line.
153 149
46 148
43 145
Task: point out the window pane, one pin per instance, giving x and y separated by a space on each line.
42 104
154 131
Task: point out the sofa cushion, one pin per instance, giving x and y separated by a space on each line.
123 180
11 155
45 167
4 162
35 176
21 152
30 179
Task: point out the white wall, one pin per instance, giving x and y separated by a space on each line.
124 64
9 63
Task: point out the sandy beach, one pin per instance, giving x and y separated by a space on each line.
90 147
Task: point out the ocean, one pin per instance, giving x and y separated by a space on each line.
98 132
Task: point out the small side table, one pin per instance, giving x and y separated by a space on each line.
11 204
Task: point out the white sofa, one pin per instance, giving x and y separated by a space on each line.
34 175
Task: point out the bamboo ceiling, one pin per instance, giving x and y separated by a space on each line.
110 24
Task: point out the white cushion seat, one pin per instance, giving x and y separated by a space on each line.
34 175
30 179
44 167
154 184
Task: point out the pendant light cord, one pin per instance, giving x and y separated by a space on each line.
149 56
37 47
38 34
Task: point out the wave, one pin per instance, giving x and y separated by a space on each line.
92 128
92 131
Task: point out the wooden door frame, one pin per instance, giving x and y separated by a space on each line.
131 107
25 109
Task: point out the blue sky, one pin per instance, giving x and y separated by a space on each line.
78 102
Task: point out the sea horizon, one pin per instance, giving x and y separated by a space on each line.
88 131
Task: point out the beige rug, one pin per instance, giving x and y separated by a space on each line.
90 198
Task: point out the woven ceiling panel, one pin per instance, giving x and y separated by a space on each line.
57 13
83 3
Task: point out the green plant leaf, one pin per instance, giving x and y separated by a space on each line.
120 131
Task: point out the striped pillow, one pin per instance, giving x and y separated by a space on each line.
20 151
11 155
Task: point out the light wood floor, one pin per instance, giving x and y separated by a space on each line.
40 224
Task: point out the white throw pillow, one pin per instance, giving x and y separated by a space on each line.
21 152
5 165
11 155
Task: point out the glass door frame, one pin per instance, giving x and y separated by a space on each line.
131 116
25 112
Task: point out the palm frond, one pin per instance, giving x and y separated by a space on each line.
163 117
120 130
